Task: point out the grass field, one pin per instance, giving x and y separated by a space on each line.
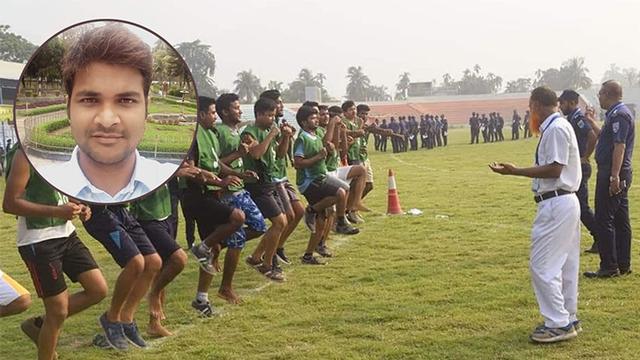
424 287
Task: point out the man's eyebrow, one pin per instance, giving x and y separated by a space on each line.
133 94
88 93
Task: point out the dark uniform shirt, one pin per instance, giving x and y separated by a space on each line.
618 128
581 127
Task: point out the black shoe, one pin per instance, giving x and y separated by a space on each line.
282 256
346 229
311 260
133 335
602 274
324 251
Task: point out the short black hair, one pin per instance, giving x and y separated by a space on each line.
362 108
347 104
264 105
335 109
311 103
544 96
204 102
304 112
272 94
323 107
224 101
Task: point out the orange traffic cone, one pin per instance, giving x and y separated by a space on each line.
393 207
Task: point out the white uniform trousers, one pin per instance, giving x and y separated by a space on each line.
555 259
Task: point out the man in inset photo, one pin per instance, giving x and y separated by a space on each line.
107 75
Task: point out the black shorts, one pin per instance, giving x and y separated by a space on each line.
267 199
161 235
207 210
287 194
119 233
320 189
49 259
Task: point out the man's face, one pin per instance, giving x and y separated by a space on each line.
603 99
208 119
107 111
234 113
323 118
312 122
363 115
567 106
350 113
265 120
279 108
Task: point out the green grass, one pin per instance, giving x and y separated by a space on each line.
165 138
422 287
6 112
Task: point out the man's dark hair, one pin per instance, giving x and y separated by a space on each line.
111 44
264 105
224 101
362 108
272 94
311 103
304 112
204 102
335 109
544 96
323 107
347 104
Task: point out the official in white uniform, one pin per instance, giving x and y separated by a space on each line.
555 236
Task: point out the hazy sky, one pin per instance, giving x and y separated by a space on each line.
276 38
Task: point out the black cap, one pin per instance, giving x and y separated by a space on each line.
569 95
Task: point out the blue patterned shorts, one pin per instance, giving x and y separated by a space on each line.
252 215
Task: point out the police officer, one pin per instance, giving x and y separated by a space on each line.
383 138
613 157
499 127
525 124
472 128
515 125
586 143
484 125
445 129
395 127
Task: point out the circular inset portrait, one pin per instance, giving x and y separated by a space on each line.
106 111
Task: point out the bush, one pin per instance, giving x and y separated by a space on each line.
42 110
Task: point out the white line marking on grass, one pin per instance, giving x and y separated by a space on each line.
411 164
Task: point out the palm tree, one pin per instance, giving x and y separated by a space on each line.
358 84
476 69
320 78
402 87
201 62
446 79
275 85
247 86
575 74
306 76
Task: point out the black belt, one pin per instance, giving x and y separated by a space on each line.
551 194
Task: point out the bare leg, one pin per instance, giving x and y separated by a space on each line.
124 284
56 311
94 289
226 291
16 306
170 270
152 264
315 238
298 213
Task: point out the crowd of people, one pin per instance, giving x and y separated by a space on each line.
432 131
491 127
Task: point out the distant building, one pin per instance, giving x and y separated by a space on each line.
9 75
419 89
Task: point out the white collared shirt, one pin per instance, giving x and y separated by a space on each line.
558 144
70 179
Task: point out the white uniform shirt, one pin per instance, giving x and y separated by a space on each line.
68 177
558 144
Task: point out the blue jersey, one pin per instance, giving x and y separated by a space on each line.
618 128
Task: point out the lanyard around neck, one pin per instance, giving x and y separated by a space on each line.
555 116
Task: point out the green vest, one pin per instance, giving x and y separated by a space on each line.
208 152
311 145
332 160
364 154
280 166
229 140
40 192
354 150
154 206
265 167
